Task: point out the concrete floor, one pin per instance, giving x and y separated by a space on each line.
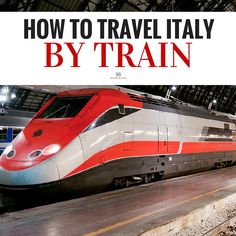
130 211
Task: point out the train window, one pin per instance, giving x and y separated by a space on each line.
226 126
217 134
64 107
3 134
16 131
109 116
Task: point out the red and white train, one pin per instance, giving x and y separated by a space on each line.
91 138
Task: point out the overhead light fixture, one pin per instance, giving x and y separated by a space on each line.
5 95
213 102
173 88
13 95
168 93
4 90
3 98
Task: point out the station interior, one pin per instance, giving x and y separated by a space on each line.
118 5
184 185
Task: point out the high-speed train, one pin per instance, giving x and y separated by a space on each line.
93 138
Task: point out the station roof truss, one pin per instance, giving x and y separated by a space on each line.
26 99
225 96
117 5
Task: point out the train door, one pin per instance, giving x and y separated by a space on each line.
95 143
162 134
126 127
163 139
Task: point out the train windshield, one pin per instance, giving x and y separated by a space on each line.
65 107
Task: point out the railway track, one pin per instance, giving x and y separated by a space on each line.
9 204
226 228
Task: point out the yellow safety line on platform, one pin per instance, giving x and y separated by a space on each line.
125 222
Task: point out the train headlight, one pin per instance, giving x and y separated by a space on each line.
7 149
35 154
51 149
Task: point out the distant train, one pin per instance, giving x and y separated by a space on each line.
90 139
10 127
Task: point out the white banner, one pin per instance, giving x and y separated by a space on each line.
117 48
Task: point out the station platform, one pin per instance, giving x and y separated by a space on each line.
160 208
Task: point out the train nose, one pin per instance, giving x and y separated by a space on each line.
43 173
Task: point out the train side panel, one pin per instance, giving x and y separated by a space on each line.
150 141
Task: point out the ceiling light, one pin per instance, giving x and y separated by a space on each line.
173 88
3 98
13 96
4 90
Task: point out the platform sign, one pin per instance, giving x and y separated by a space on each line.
117 48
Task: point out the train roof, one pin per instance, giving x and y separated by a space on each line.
169 104
183 108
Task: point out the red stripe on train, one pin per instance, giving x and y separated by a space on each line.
146 148
201 147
